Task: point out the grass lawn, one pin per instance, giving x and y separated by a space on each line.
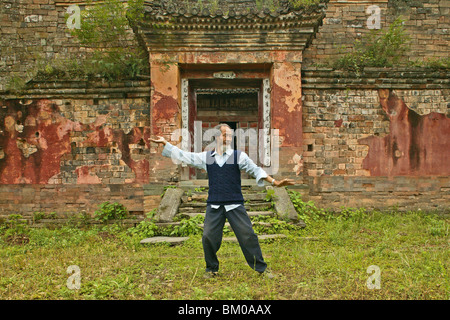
329 259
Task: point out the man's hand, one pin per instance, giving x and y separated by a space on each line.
284 182
159 140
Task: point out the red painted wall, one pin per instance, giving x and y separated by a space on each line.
416 144
36 138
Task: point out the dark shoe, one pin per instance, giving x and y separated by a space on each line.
210 275
267 274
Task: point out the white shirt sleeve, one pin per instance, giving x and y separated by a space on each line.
247 164
198 160
194 159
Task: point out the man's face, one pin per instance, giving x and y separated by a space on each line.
226 137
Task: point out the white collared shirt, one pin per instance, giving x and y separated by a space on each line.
198 160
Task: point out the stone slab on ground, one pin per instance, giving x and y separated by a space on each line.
171 240
260 237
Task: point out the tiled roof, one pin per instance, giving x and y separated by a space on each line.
228 9
229 25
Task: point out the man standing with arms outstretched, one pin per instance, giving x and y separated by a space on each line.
225 200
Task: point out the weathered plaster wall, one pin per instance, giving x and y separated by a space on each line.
47 141
357 127
379 140
416 144
284 71
68 147
69 152
286 102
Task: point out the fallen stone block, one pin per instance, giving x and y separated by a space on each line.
171 240
284 207
169 205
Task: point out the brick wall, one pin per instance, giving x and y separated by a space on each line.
339 109
426 22
37 29
33 30
69 146
359 151
381 193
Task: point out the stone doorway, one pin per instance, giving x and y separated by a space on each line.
226 102
238 43
237 94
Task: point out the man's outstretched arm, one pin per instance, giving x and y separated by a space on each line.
194 159
279 183
159 140
246 164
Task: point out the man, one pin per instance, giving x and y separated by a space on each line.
225 200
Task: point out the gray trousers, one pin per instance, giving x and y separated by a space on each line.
242 227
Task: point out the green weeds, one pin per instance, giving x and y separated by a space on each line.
326 260
111 211
379 48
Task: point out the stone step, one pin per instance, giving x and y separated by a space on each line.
248 207
203 196
245 183
189 199
201 225
180 240
203 204
227 224
250 213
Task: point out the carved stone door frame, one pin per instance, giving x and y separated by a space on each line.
263 133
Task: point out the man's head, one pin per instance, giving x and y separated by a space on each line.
224 135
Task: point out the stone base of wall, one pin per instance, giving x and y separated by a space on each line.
68 199
328 192
379 193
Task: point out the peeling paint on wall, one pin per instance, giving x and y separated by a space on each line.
287 102
32 154
298 164
34 139
416 145
129 146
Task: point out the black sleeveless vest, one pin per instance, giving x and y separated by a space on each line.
224 182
